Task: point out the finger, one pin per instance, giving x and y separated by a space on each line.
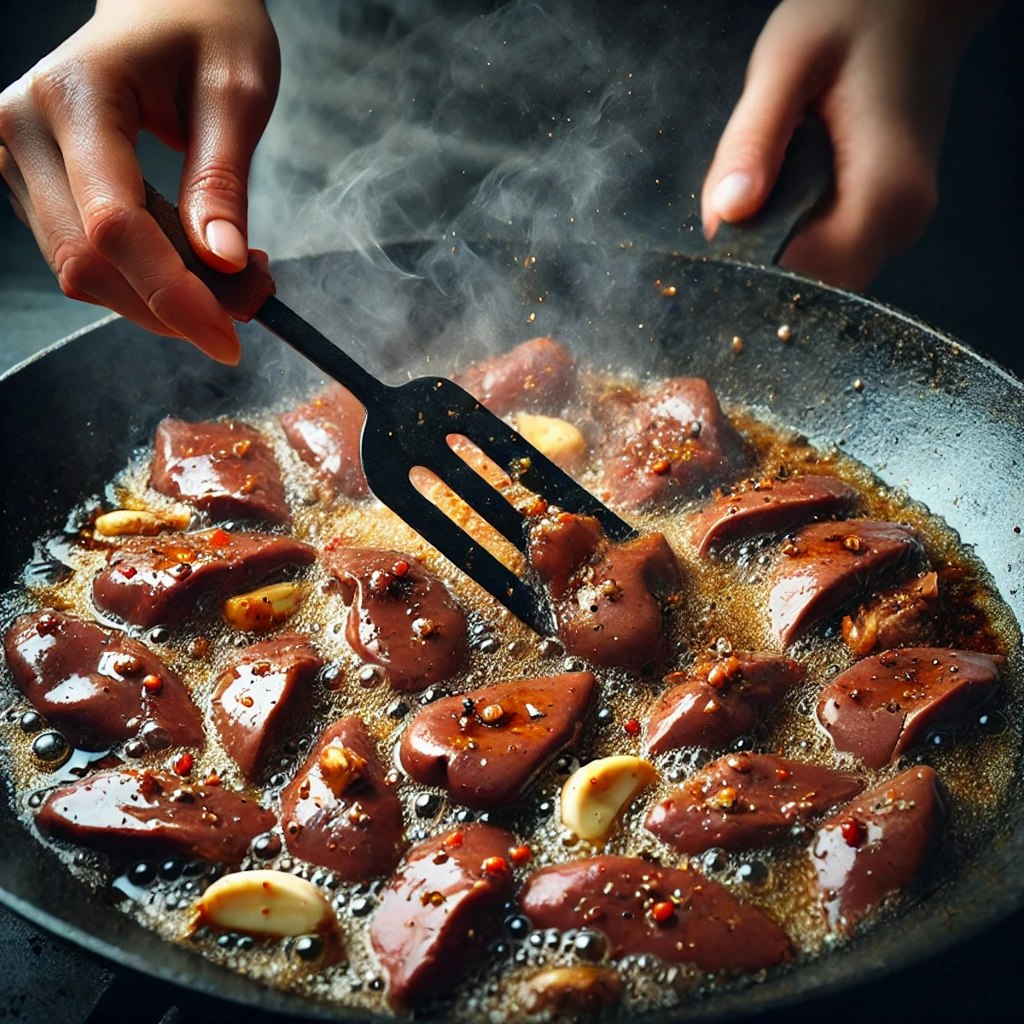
106 185
786 70
884 196
226 122
81 272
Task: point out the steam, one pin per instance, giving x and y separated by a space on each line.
536 123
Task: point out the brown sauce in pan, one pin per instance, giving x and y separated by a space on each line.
724 604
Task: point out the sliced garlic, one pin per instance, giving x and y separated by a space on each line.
563 443
125 522
264 608
341 766
264 902
595 796
564 991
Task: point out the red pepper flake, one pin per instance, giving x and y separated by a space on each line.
213 779
149 786
219 538
47 624
127 571
632 726
853 832
663 911
184 764
496 866
452 841
660 466
401 567
152 683
520 855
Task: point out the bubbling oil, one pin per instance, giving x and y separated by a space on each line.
723 607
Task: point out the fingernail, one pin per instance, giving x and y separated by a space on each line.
220 346
733 196
226 241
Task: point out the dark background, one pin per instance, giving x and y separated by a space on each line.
965 276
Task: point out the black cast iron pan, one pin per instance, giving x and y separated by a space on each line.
920 409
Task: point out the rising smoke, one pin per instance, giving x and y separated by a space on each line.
542 123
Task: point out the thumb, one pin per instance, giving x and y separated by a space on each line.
213 199
783 77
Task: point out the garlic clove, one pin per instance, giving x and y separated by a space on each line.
127 522
561 441
264 902
596 795
264 608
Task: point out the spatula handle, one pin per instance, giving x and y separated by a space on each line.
249 295
241 294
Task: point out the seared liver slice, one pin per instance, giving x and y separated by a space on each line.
252 698
885 704
674 442
450 743
536 375
607 598
708 926
906 616
402 617
339 812
744 800
326 432
139 812
876 846
95 684
768 506
151 581
440 910
716 701
225 468
825 565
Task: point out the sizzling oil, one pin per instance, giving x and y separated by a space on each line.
723 606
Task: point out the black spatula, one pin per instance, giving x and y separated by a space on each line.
408 425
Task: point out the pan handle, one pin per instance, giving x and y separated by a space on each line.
805 179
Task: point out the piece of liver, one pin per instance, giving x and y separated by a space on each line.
825 565
483 764
538 375
608 599
254 695
224 467
672 443
708 926
151 581
402 616
141 812
905 616
326 432
96 685
886 703
744 800
716 701
768 506
352 827
876 846
440 910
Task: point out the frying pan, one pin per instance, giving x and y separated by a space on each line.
919 408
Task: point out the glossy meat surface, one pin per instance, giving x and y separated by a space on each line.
97 685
